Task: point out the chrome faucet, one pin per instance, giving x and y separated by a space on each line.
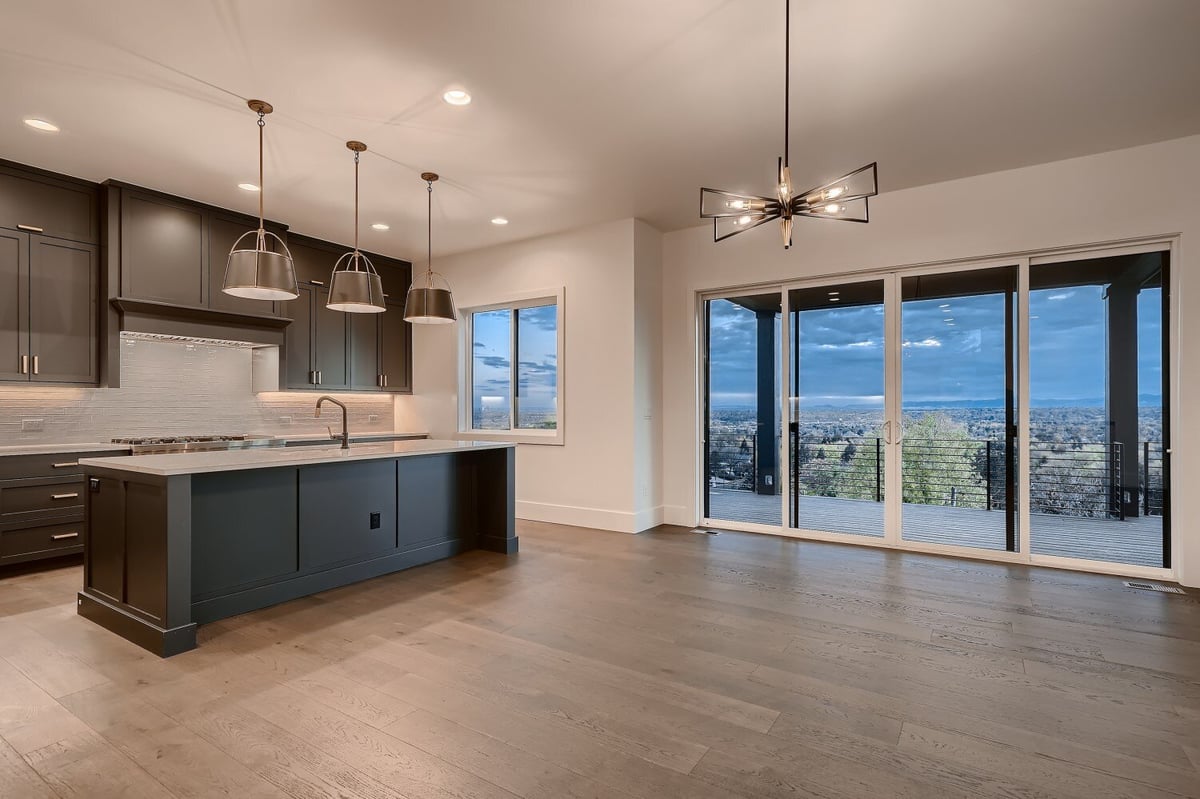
345 425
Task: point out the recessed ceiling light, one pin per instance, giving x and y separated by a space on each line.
41 124
457 97
835 299
499 220
834 293
247 187
380 226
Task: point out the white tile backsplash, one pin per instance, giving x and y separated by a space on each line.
177 388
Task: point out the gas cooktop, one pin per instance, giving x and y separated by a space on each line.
146 445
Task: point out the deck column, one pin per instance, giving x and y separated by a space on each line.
1122 393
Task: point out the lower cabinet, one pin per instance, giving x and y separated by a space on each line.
347 511
42 505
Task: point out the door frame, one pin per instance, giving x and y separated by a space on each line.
892 276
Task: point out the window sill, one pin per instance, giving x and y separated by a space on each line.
553 438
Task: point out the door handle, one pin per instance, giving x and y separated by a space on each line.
24 364
66 465
65 496
35 365
61 536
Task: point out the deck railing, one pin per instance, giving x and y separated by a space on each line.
1069 478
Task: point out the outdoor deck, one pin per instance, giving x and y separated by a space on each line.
1136 541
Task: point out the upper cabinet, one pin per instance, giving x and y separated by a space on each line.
49 278
173 251
47 204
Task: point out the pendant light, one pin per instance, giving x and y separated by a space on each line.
260 273
844 198
355 286
428 304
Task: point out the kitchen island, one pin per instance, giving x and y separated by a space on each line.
179 540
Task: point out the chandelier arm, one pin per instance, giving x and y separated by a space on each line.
262 123
356 202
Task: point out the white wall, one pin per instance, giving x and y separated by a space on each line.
172 388
589 480
647 375
1140 192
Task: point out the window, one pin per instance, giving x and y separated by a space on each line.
513 374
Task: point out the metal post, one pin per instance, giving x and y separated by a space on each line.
987 489
1145 478
878 466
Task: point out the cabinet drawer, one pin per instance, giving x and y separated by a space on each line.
55 464
33 540
44 495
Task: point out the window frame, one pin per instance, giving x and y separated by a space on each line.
466 360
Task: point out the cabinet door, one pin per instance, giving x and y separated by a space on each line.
63 330
223 231
329 343
164 250
298 350
364 350
14 289
347 512
395 350
59 208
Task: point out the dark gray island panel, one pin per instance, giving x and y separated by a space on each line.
358 501
169 551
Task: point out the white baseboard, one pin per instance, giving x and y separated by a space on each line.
679 515
599 518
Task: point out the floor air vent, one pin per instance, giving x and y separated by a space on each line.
1164 589
706 532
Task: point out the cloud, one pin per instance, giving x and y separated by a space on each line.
1060 297
923 343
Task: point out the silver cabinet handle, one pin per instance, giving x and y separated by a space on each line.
317 282
24 364
61 536
66 465
385 381
65 496
30 228
319 381
35 365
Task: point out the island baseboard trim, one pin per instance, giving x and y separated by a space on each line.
163 642
274 593
499 543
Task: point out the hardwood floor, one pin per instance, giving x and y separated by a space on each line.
596 664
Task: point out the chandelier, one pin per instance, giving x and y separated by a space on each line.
844 199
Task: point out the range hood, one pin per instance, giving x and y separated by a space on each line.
160 318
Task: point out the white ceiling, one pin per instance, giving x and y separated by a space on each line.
583 111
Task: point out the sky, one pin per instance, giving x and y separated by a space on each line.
961 360
537 358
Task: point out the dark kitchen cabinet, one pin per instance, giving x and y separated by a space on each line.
316 343
48 309
174 251
51 205
395 350
364 350
345 351
164 250
42 505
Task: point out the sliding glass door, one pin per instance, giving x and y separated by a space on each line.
742 463
958 422
1015 407
836 412
1098 409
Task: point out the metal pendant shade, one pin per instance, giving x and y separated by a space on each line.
354 286
265 270
430 304
844 199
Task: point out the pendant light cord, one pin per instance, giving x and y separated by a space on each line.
787 75
356 202
262 123
429 235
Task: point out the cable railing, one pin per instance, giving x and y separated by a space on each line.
1067 478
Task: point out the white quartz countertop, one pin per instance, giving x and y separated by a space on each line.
169 465
353 436
47 449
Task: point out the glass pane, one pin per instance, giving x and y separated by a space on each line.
537 367
958 457
1097 415
836 400
491 369
743 385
